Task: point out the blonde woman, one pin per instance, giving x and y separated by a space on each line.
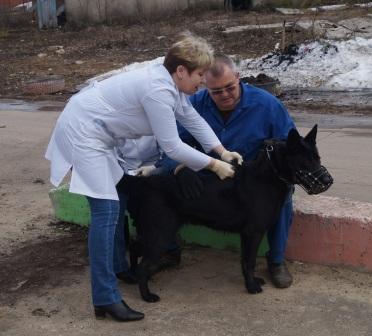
126 106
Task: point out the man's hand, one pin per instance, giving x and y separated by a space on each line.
189 182
228 156
144 170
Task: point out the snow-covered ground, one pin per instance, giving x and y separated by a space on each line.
340 65
132 66
330 65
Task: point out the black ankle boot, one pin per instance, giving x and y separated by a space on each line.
120 312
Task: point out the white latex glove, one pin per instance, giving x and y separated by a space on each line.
222 169
144 170
228 156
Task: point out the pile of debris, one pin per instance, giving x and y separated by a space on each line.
265 82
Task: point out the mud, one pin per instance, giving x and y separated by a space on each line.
43 264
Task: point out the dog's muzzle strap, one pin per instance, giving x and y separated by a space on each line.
314 182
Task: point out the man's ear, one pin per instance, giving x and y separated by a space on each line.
311 136
293 139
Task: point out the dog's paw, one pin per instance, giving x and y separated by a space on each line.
151 298
254 287
260 280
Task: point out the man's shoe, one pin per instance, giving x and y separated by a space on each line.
127 277
280 276
120 312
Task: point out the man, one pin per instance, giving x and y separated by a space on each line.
242 117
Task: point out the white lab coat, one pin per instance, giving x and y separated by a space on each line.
136 153
126 106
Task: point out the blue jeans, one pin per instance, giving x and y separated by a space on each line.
277 236
120 261
106 249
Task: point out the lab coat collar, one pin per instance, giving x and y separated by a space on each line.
163 70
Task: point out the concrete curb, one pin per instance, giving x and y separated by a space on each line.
325 230
331 231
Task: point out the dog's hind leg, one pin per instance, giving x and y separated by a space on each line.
249 248
160 225
150 261
135 252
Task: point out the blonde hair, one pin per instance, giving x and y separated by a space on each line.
191 51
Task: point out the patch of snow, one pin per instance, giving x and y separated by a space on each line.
364 5
341 65
289 11
328 8
25 5
332 65
237 29
132 66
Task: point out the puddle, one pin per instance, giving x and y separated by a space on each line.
30 106
362 97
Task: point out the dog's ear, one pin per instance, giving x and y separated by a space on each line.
294 139
311 136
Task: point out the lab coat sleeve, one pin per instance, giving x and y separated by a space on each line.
197 126
159 106
168 165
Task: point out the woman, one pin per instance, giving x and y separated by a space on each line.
99 119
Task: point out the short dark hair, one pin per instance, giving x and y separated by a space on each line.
217 68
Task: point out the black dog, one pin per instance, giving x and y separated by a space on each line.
248 204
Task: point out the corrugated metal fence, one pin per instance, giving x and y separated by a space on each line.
47 13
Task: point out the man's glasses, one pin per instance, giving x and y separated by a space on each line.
219 92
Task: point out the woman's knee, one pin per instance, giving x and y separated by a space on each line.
104 212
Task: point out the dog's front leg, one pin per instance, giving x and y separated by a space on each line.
144 270
249 248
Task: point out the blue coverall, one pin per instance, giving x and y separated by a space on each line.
258 116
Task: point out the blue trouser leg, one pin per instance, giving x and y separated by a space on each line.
277 236
104 217
120 260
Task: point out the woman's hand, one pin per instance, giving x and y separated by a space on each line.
228 156
221 168
145 170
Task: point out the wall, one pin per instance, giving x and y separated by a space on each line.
95 11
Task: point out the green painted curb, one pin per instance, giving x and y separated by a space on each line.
73 208
69 207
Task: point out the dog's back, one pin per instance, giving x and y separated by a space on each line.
223 205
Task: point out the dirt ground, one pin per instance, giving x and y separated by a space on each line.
44 280
95 50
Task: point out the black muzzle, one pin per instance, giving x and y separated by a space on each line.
314 182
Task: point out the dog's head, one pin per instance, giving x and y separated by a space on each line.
303 162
